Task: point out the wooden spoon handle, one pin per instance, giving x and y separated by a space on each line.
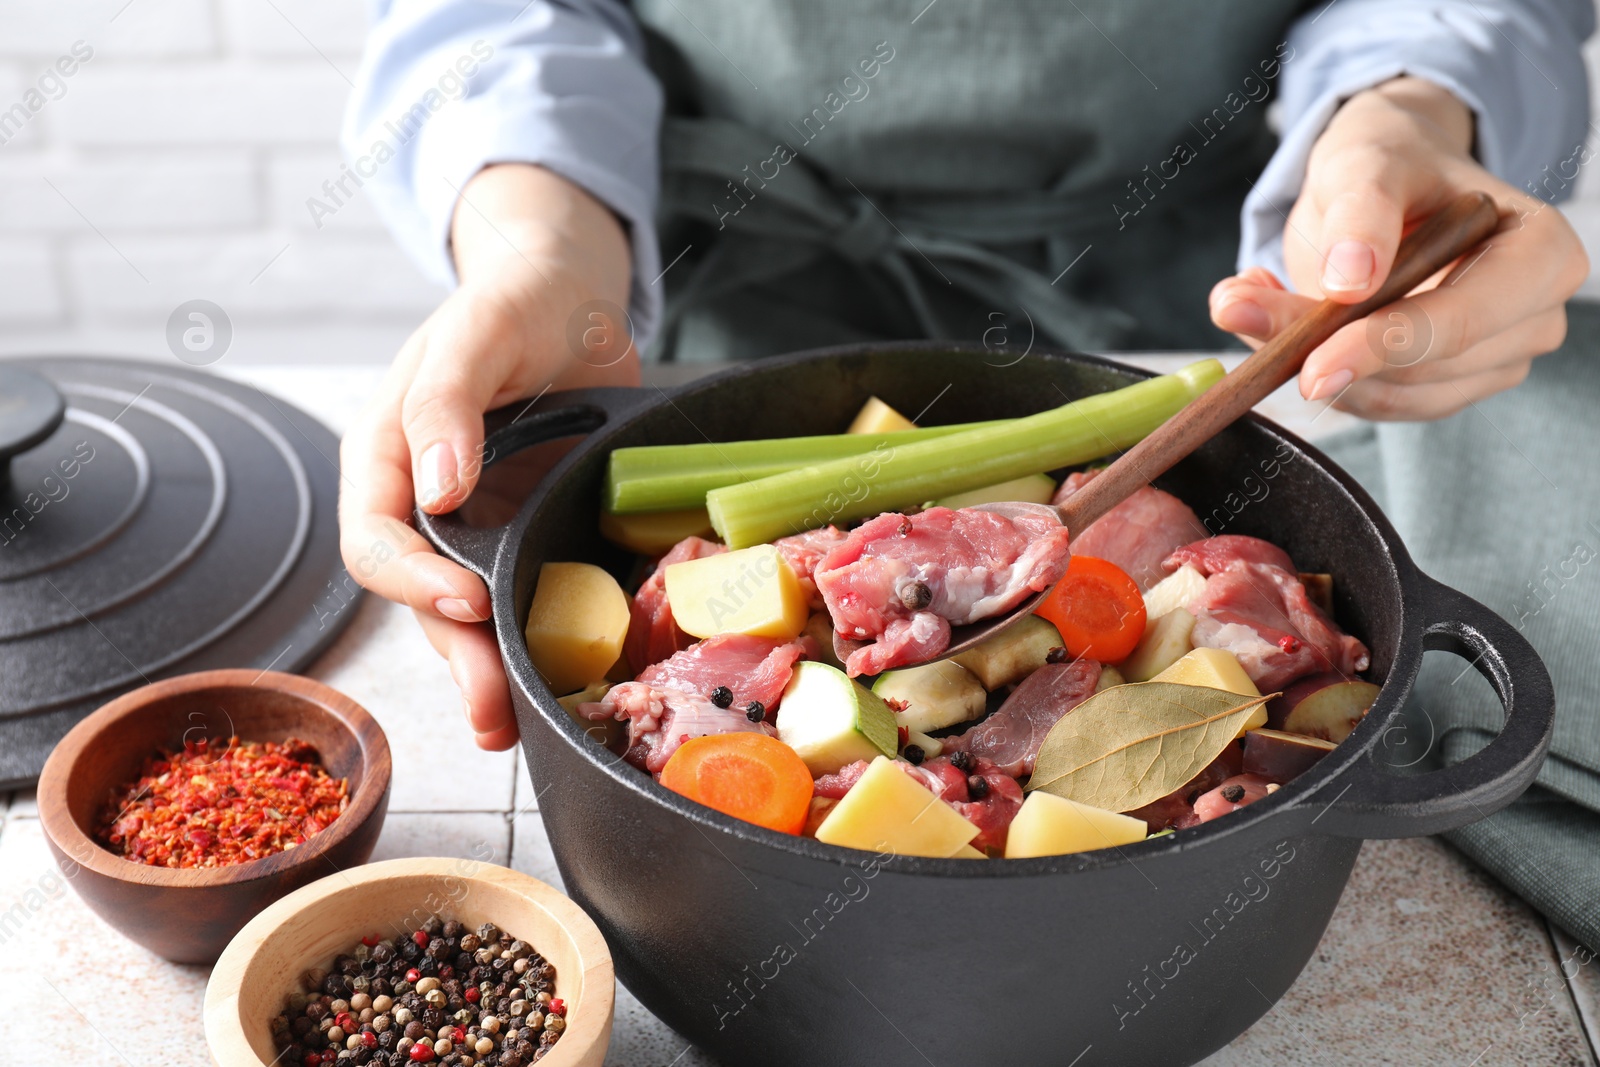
1437 242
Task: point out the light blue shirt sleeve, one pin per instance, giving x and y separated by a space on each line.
448 87
1516 63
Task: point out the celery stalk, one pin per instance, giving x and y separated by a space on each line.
895 476
675 477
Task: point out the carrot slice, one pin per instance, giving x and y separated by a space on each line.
747 775
1098 609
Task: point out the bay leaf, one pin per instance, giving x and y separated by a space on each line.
1131 744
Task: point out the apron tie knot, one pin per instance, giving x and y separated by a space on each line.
866 238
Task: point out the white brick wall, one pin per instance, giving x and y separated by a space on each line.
175 166
177 163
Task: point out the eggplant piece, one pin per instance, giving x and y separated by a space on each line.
1332 712
1279 756
1279 707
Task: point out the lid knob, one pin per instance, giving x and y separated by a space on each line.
30 410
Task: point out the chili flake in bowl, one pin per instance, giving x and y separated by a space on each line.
182 880
205 806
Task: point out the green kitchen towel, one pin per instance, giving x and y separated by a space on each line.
1502 501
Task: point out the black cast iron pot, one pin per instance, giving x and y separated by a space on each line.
767 949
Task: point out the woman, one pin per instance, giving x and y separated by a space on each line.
829 172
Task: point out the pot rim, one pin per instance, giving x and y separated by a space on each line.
1294 801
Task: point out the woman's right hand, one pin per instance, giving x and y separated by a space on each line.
531 250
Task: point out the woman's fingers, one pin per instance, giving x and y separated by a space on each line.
1527 268
1382 401
480 674
380 548
1255 305
1532 337
1361 229
457 377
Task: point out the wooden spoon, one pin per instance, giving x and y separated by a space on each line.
1440 240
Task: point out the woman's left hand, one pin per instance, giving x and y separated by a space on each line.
1391 156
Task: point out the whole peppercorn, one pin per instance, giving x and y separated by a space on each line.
403 1016
436 998
963 762
421 1052
977 787
543 998
443 1046
755 711
380 1023
383 951
913 754
414 1029
427 985
434 926
335 985
489 1023
536 1021
438 948
483 1046
335 1034
1056 655
382 1003
488 932
316 1010
722 696
916 596
452 929
1233 793
470 943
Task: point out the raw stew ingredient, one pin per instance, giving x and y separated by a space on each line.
1135 701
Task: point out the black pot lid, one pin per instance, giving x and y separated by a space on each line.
163 521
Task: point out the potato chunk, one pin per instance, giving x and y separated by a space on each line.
752 591
1216 668
1048 825
887 810
576 624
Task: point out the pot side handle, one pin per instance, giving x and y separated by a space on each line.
1370 802
509 430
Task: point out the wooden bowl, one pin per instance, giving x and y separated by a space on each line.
189 915
309 927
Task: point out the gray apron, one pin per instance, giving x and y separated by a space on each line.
838 172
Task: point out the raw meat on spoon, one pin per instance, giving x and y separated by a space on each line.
1012 735
1257 608
671 701
900 582
1138 534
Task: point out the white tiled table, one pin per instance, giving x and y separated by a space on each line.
1427 960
